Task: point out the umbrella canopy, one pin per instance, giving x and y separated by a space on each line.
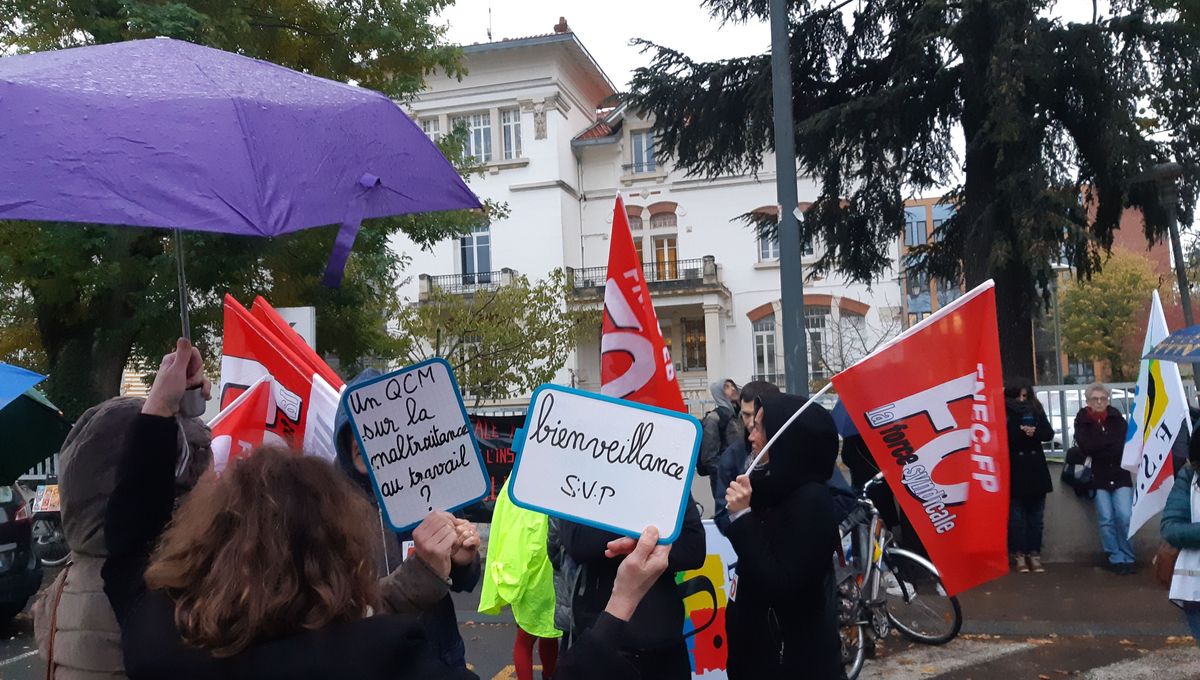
14 381
1181 347
164 133
32 430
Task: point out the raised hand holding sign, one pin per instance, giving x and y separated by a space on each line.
415 437
608 463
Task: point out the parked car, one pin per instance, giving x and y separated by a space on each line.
20 570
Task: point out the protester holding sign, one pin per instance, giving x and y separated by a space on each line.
412 582
654 643
214 600
1028 427
782 615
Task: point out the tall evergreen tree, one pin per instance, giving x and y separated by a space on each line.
1058 122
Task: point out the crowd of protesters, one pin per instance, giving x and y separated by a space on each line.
282 568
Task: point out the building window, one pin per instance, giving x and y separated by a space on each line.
947 291
1079 372
666 259
937 224
643 152
917 296
818 324
663 228
807 249
695 352
637 245
635 223
479 136
764 349
914 232
432 127
510 121
768 249
476 249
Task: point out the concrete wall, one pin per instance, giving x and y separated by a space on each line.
1071 532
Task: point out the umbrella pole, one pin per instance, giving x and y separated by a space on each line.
193 403
183 299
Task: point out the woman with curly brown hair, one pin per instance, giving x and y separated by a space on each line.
269 571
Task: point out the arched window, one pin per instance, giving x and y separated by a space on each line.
764 350
664 242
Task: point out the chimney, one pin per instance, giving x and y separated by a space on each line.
561 26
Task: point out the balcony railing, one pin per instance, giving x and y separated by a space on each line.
653 272
464 284
640 168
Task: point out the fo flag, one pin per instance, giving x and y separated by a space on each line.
305 403
930 406
1159 412
241 427
635 363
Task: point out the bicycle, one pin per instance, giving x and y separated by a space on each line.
894 587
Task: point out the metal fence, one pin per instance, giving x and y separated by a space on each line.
459 284
1063 402
654 272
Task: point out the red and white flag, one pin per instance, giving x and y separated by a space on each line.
241 427
930 407
635 363
305 403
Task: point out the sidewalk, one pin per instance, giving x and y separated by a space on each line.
1072 599
1069 599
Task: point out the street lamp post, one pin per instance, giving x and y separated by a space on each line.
1166 176
791 274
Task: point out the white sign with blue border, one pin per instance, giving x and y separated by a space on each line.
605 462
413 432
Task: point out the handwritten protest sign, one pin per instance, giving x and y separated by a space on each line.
612 464
415 436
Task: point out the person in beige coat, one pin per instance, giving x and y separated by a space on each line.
76 631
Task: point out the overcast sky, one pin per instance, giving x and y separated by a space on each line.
606 28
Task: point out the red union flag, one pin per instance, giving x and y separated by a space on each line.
251 350
635 363
241 426
930 406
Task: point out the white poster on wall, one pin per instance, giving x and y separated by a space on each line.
413 432
605 462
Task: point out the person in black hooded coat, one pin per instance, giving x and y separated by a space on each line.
782 619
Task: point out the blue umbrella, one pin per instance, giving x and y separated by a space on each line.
1181 347
15 381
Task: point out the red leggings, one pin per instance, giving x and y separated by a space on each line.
523 655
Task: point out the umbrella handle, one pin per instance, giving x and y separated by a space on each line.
192 405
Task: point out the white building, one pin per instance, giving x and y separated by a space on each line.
541 120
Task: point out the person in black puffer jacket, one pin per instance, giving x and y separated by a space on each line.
1028 427
1100 434
782 616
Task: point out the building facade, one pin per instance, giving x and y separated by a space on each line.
541 121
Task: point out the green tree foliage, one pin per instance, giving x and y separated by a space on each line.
81 302
1102 314
502 340
1057 121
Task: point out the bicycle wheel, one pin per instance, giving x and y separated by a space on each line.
852 631
917 604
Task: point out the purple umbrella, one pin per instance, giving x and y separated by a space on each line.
164 133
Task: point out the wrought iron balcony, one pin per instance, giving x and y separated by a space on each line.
464 284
